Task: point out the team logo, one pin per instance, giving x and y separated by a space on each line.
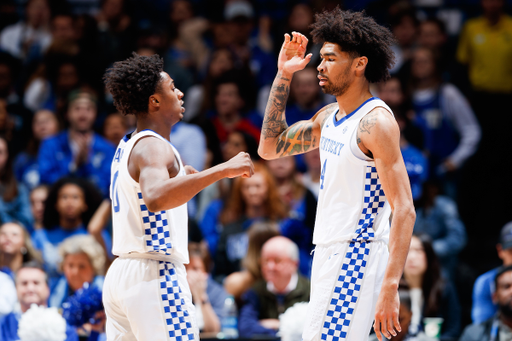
345 130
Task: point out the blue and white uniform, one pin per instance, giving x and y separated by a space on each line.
146 294
351 234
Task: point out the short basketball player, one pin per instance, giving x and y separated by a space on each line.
146 294
354 278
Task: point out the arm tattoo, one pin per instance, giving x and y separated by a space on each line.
274 123
367 123
297 140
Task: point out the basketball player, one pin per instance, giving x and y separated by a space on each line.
354 277
146 295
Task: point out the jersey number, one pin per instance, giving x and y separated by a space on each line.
115 196
322 176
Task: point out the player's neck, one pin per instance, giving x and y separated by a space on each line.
160 128
352 99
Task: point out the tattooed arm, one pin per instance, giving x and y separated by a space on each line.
378 135
277 139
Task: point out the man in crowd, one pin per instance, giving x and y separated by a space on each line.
280 288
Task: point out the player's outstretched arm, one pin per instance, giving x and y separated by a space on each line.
378 132
277 139
153 161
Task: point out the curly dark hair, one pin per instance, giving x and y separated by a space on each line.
359 35
132 81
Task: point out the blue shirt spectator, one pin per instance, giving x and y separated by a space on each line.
78 151
483 290
417 168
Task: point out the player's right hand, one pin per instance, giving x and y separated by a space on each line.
239 165
291 58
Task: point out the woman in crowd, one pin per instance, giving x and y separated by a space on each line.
37 200
14 202
69 207
251 200
26 168
15 248
431 294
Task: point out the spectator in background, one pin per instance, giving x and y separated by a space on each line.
445 117
251 200
32 288
37 200
15 248
78 151
305 96
280 288
114 128
29 38
14 202
68 209
311 177
498 327
404 25
7 295
237 283
190 140
437 216
432 35
431 294
207 295
484 307
82 262
301 205
486 48
26 168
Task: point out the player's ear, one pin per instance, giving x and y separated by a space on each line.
154 101
361 63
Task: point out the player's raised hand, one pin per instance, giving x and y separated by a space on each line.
239 165
291 58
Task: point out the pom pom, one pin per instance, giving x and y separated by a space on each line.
42 324
292 321
81 307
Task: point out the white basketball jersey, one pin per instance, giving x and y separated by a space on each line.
160 235
351 205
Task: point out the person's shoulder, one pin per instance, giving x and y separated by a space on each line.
12 29
487 277
475 23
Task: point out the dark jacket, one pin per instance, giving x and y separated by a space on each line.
482 331
259 303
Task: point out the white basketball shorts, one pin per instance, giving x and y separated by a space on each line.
147 299
345 283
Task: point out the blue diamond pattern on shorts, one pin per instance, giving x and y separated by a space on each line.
179 324
156 229
346 292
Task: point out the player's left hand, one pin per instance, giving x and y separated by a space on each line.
386 314
190 170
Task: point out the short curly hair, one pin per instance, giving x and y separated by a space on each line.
132 81
359 35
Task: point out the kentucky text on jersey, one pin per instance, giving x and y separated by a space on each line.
331 146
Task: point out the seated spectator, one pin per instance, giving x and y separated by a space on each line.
251 200
26 167
431 294
29 38
69 207
37 199
15 248
438 217
14 202
484 306
78 151
32 288
280 288
449 125
7 295
114 128
404 316
239 282
305 96
207 295
190 140
301 205
83 261
499 326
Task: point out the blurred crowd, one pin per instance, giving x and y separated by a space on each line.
450 90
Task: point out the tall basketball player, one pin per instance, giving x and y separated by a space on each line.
354 278
146 294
